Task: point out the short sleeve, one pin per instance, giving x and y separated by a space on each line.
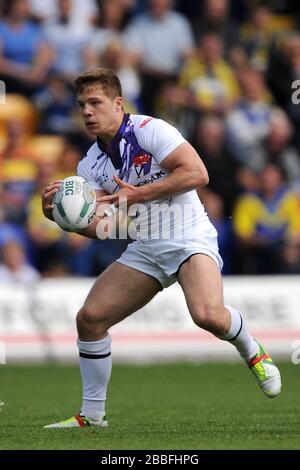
159 138
84 171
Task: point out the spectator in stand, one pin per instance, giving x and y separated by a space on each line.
284 69
114 58
258 36
214 18
291 257
109 24
158 41
14 267
70 42
25 56
248 123
10 231
19 172
277 147
68 159
83 12
172 106
56 105
265 223
210 144
107 45
238 9
209 80
48 241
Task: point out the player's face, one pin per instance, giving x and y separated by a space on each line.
101 114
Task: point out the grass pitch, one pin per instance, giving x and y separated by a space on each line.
178 406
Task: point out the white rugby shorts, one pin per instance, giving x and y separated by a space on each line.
162 259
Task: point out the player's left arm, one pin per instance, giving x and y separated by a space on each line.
186 172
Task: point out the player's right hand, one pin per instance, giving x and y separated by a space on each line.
47 197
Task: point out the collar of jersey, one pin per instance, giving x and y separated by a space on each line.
114 151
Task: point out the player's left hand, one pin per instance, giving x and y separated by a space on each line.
129 195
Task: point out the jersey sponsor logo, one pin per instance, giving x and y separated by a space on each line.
145 122
141 159
141 163
153 178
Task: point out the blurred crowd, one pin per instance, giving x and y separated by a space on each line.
224 72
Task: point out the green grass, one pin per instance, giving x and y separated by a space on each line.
178 406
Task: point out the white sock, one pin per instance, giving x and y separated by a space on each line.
95 367
239 335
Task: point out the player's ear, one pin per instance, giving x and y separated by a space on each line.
119 103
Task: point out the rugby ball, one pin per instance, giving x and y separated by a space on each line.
74 204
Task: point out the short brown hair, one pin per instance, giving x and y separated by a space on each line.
106 78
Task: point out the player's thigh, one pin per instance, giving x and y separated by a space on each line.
119 291
201 281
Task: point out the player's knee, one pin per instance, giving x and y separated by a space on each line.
86 315
89 319
210 318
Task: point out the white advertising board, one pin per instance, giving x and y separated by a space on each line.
38 323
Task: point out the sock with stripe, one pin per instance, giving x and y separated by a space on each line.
239 336
95 367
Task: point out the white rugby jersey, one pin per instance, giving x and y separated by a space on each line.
135 155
